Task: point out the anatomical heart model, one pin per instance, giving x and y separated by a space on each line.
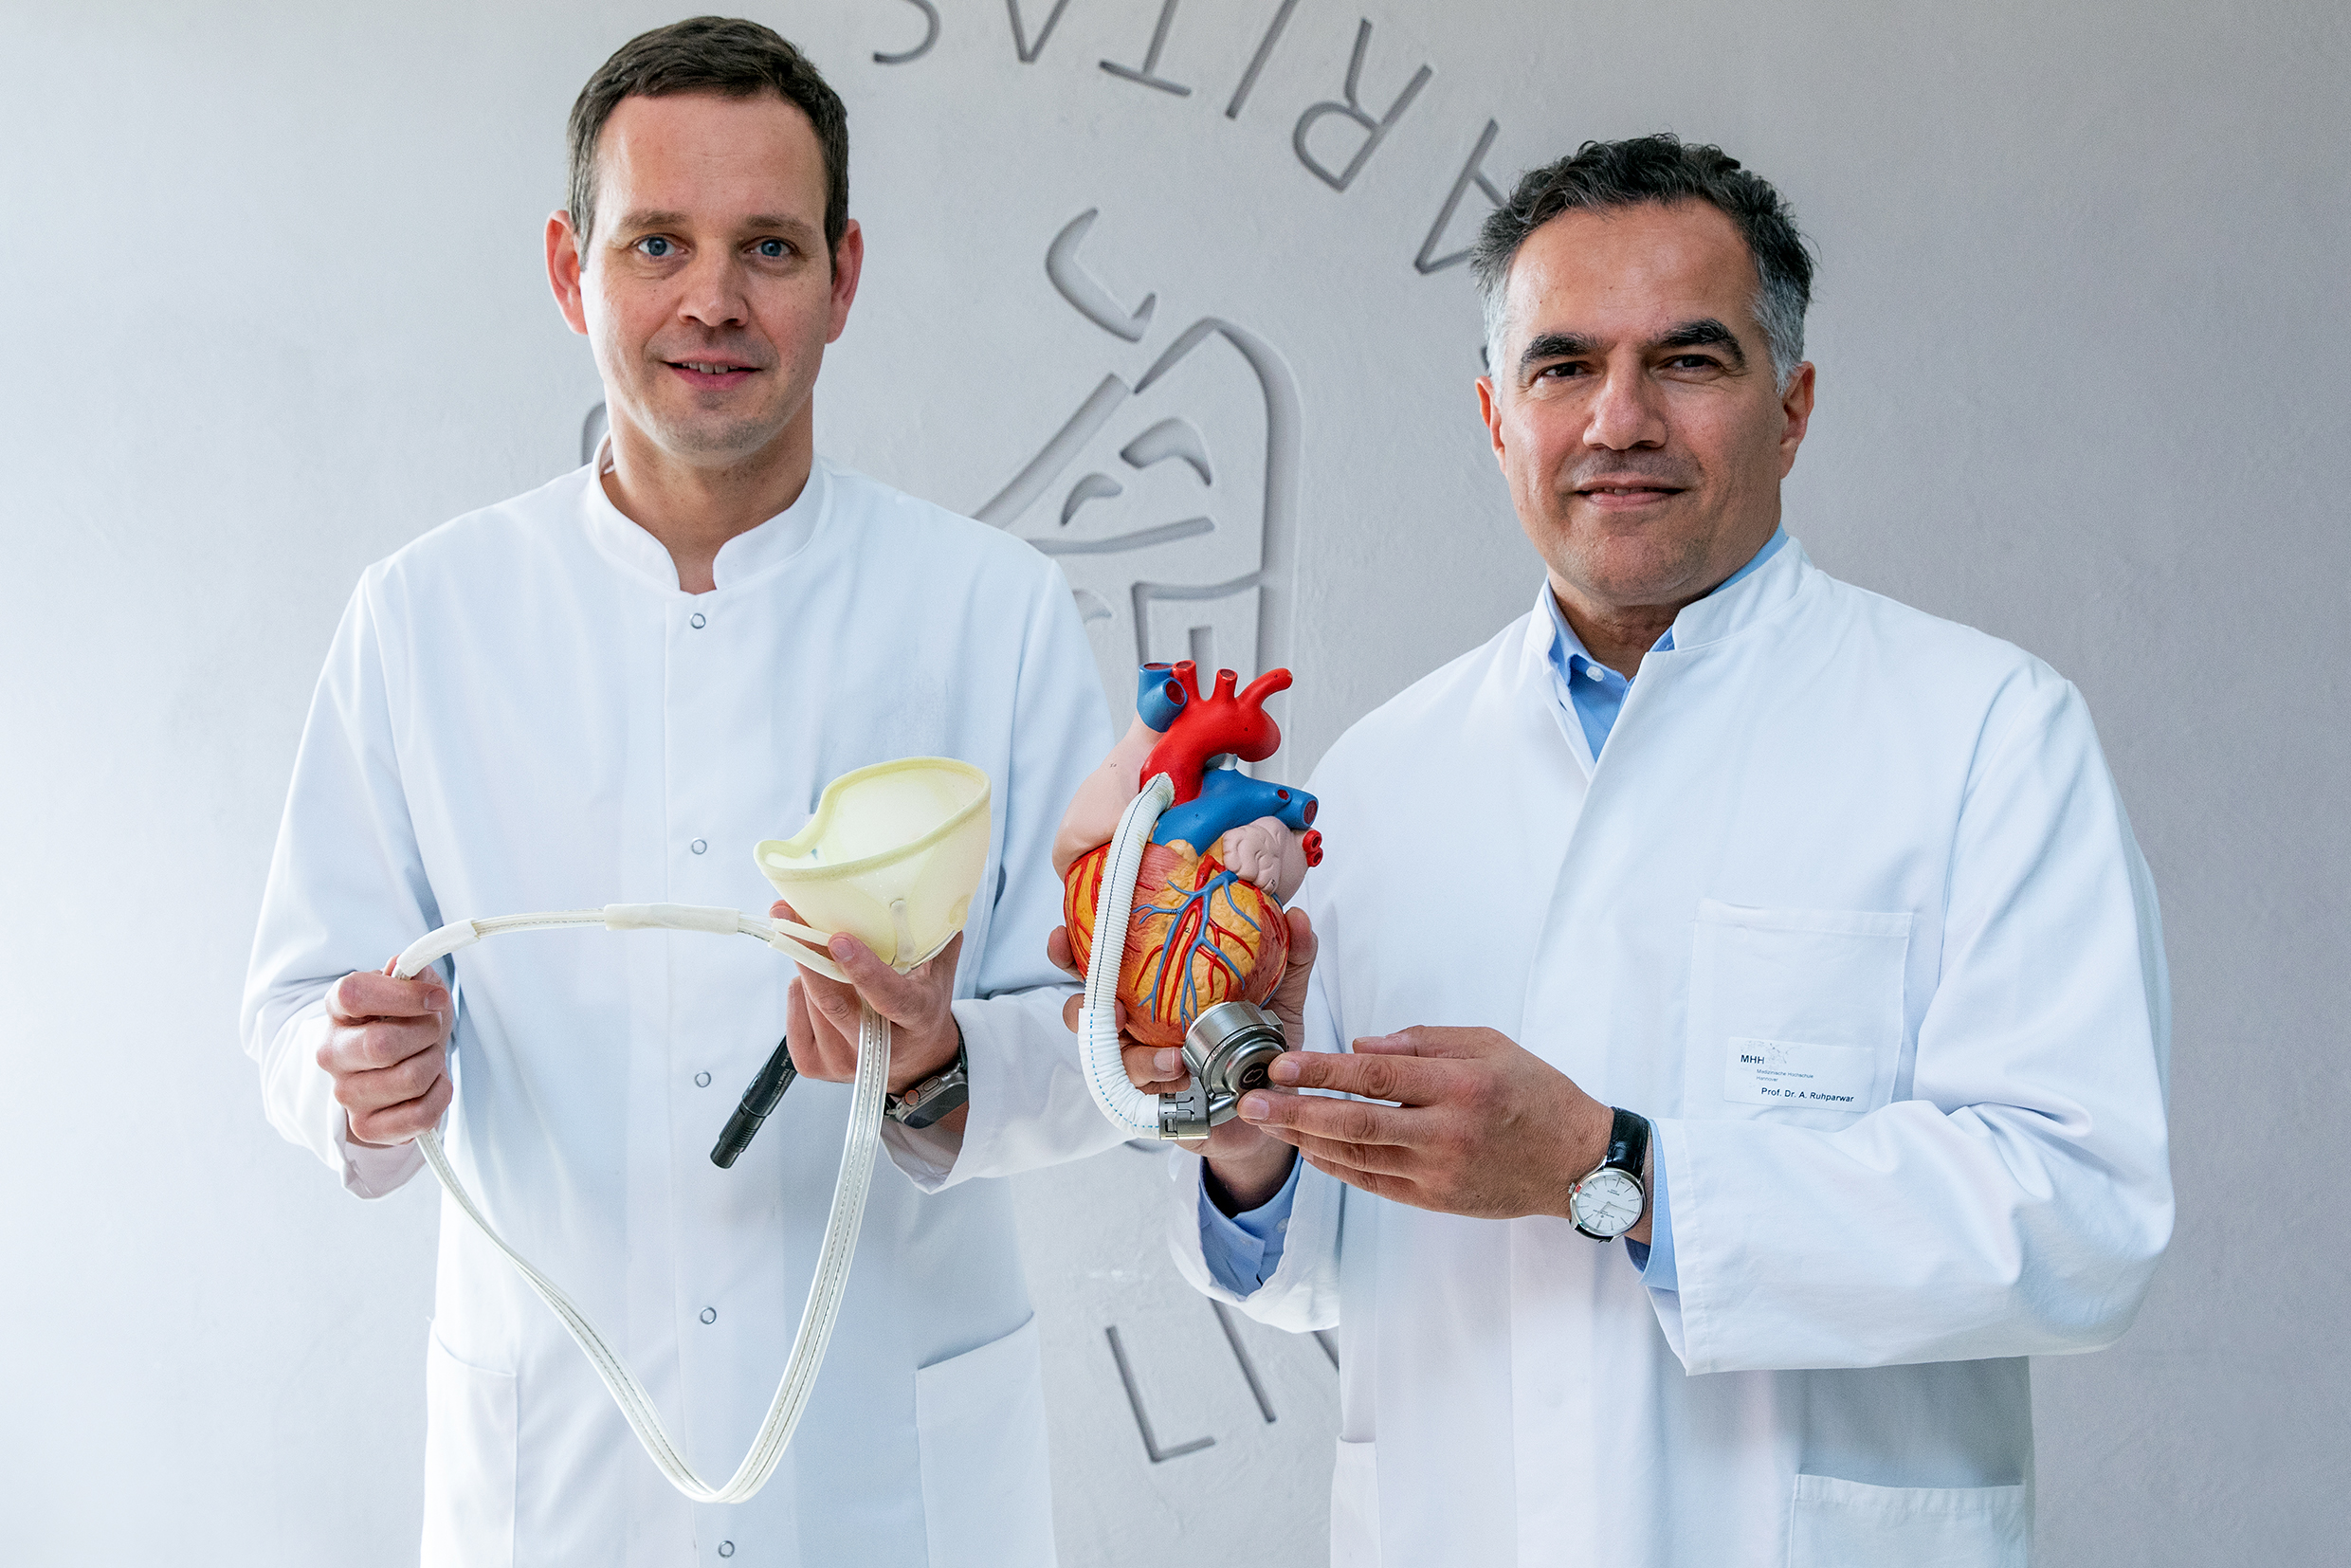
1206 925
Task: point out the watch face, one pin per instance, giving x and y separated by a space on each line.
1606 1202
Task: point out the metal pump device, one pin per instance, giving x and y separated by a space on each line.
1227 1051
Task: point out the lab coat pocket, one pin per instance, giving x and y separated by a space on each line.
980 1419
1354 1505
469 1462
1847 1524
1795 1015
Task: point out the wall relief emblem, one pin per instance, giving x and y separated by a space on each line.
1169 495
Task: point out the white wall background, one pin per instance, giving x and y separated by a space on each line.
273 306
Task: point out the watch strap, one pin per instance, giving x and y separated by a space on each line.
1627 1151
1628 1145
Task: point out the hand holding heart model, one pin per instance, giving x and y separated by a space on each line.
1206 925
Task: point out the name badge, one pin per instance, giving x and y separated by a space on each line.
1790 1073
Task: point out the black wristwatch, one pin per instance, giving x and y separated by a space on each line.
1609 1201
935 1097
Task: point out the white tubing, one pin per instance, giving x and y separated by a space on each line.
672 917
1129 1108
834 1256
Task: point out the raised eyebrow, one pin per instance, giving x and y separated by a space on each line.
1556 345
1706 332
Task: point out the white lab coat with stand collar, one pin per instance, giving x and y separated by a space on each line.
1821 817
522 711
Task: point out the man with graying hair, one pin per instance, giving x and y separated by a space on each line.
609 690
1792 936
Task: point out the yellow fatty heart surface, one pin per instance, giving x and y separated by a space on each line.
1199 935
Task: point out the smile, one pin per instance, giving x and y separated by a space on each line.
1612 498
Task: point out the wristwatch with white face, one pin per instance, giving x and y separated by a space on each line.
1607 1203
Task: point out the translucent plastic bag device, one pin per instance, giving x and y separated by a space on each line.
893 855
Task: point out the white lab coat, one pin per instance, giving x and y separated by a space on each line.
1822 818
522 711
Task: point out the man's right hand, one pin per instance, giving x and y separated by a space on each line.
387 1053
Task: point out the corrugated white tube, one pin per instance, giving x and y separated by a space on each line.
1129 1108
833 1255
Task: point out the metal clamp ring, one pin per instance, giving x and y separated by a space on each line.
1227 1051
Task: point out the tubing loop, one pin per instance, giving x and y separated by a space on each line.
834 1253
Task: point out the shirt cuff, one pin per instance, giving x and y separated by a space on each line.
376 1170
1655 1261
1243 1250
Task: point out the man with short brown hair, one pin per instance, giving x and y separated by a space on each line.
609 690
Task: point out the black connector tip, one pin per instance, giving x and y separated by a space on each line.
758 1099
736 1137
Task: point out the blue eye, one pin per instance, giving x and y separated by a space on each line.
655 245
771 249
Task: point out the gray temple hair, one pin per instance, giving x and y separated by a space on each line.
1601 175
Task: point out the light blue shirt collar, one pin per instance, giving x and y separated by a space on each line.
1595 694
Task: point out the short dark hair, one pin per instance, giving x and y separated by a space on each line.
1603 175
709 54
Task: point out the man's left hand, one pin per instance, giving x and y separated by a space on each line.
1480 1125
821 1015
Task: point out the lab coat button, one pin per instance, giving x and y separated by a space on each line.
710 1314
698 623
701 1079
699 846
726 1548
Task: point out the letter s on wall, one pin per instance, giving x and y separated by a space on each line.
930 18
